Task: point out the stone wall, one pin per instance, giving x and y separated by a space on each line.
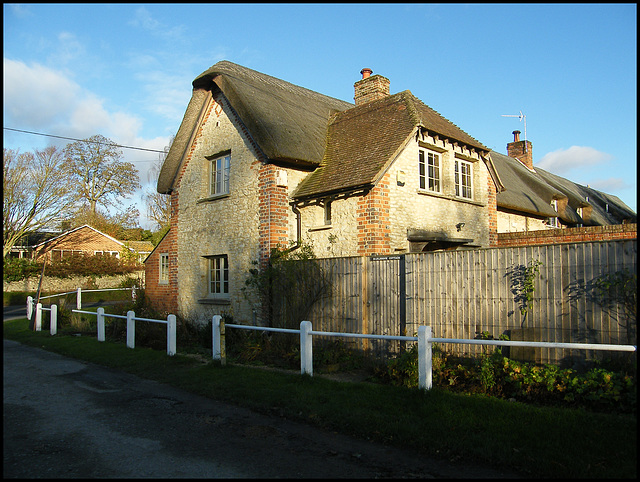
61 285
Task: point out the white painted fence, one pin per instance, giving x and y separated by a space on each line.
131 319
424 339
79 292
131 327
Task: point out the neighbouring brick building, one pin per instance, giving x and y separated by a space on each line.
88 240
259 163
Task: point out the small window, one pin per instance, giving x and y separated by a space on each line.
553 222
463 179
327 212
219 175
163 269
218 277
429 171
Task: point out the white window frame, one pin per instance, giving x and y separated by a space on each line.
463 180
163 269
429 171
219 168
218 276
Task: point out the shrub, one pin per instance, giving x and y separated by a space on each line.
493 374
17 269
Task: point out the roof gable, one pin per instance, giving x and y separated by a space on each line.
67 233
287 122
362 141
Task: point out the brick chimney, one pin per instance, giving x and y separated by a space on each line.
370 87
521 150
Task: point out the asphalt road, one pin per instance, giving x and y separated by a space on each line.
65 418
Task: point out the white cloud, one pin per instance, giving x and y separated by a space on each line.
611 185
576 157
40 99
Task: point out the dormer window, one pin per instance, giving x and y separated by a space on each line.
553 222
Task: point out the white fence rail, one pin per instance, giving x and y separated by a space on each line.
424 339
79 292
101 315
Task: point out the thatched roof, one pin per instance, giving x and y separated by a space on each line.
288 122
532 192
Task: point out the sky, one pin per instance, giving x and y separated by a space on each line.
565 73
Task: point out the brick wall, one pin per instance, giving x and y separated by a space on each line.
569 235
374 235
163 297
83 239
370 89
274 211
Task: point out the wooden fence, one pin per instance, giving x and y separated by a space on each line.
462 294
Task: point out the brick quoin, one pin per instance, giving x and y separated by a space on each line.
569 235
273 212
373 213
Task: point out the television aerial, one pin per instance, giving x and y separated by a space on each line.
520 117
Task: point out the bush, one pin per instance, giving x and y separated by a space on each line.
17 269
493 374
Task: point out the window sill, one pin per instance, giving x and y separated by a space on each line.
212 198
450 198
320 228
214 301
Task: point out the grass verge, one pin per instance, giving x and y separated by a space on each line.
536 441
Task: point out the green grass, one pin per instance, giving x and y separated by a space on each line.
535 441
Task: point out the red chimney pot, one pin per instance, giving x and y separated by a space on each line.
516 136
366 73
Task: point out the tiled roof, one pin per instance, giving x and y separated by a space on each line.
363 140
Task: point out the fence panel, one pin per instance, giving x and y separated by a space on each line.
462 294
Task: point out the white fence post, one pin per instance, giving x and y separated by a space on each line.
306 348
79 299
39 317
425 374
29 307
100 313
171 335
131 329
53 324
215 336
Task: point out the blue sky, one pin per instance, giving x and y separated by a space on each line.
125 70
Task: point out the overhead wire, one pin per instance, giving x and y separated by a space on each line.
83 140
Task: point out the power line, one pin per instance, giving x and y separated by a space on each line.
81 140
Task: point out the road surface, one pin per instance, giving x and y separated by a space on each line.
65 418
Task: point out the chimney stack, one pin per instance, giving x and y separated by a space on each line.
370 87
521 150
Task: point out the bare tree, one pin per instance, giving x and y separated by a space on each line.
36 192
158 205
100 176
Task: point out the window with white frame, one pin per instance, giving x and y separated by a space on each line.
219 175
163 269
429 171
218 276
463 179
